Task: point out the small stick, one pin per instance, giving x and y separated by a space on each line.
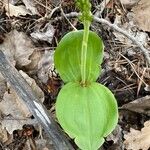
64 15
125 33
26 94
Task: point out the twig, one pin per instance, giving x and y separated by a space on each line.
70 15
64 15
24 91
125 33
116 28
52 12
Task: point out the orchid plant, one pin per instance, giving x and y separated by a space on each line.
85 109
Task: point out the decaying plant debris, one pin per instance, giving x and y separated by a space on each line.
29 33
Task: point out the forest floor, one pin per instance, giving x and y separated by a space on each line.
29 33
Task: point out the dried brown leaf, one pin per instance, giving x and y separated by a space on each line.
3 134
136 140
44 34
15 116
140 105
30 5
18 47
129 3
15 111
142 15
45 66
35 58
16 10
37 91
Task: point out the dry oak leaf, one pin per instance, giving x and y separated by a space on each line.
46 66
43 34
142 15
37 91
136 140
35 58
129 3
30 5
14 116
16 11
15 111
18 47
3 134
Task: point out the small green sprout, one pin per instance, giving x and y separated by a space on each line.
86 110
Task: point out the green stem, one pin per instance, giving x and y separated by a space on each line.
84 51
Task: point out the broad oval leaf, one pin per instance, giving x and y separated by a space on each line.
67 56
87 114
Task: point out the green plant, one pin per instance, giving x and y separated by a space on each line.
86 110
